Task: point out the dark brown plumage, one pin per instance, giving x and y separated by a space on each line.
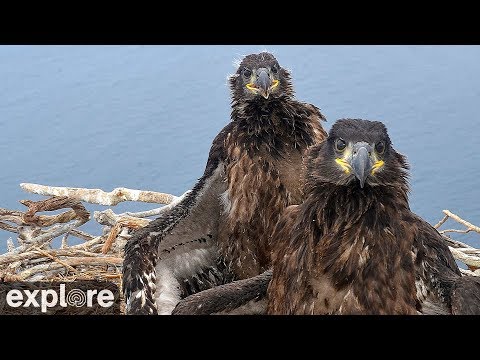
353 246
220 230
247 296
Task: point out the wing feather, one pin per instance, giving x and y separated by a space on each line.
176 254
466 296
239 297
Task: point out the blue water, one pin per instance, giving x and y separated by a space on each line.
144 116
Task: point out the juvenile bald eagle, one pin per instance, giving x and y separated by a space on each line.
219 231
354 247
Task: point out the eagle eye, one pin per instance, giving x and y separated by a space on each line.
247 72
274 68
380 147
340 145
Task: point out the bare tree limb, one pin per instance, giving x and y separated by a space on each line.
473 261
461 221
456 243
9 228
108 217
437 225
54 203
76 261
98 196
81 234
130 222
69 267
45 238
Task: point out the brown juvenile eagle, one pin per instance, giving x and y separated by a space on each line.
353 246
220 230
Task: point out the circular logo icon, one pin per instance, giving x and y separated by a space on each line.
76 297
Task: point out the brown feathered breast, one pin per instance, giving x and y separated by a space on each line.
263 177
343 266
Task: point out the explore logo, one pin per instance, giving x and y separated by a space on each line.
77 297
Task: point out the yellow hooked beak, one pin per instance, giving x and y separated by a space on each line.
262 84
361 160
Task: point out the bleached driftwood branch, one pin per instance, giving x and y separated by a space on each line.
467 254
470 260
98 196
128 219
30 224
469 226
108 217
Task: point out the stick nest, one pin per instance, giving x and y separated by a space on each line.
32 257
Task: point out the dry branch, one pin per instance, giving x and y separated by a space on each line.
98 196
54 203
131 223
128 220
76 261
457 218
471 261
34 254
456 243
108 217
81 235
68 266
467 254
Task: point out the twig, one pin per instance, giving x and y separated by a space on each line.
11 216
469 251
130 222
455 231
44 238
88 244
461 221
54 203
157 211
76 261
9 228
456 243
81 234
33 254
10 245
108 217
55 259
98 196
469 260
437 225
467 272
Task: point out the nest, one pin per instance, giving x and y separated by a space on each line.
33 257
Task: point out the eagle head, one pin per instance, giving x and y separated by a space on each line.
259 77
358 153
